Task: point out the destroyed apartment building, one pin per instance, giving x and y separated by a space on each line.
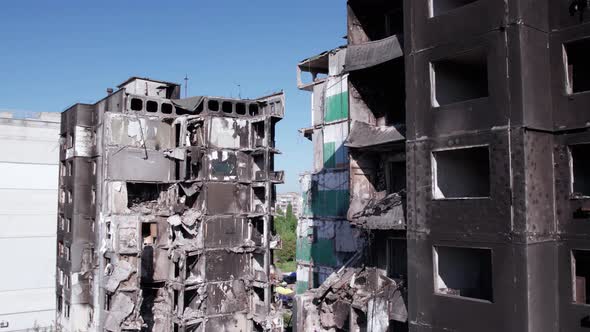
467 153
165 219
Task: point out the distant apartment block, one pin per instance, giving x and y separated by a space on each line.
286 199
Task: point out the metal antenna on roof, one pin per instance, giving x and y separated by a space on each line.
186 86
239 90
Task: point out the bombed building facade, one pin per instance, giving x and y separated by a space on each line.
468 148
165 219
325 239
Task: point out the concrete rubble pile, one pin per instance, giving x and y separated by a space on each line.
354 297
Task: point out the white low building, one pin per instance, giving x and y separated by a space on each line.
29 155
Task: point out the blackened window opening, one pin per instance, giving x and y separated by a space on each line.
138 193
151 106
227 107
136 104
581 276
460 78
462 173
381 90
213 105
167 108
465 272
577 62
580 171
241 108
259 199
376 19
258 133
253 109
396 176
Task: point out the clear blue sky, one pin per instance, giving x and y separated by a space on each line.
56 53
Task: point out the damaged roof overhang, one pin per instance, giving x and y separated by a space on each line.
307 132
188 104
319 63
373 53
364 135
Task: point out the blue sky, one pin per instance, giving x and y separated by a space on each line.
56 53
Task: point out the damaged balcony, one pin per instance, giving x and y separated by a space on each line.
313 71
378 177
377 146
375 33
377 95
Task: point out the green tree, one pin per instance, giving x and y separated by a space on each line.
286 227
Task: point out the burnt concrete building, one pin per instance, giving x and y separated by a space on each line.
165 212
489 231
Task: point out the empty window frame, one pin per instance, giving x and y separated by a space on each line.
397 258
213 105
149 232
167 108
258 200
138 193
68 225
580 170
258 168
253 109
461 173
241 108
258 134
395 176
227 107
463 272
151 106
66 311
136 104
576 58
460 78
59 303
375 20
70 141
581 276
66 281
107 301
439 7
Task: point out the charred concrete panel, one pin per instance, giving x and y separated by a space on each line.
495 164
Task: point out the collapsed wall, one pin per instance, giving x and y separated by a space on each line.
168 203
370 291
